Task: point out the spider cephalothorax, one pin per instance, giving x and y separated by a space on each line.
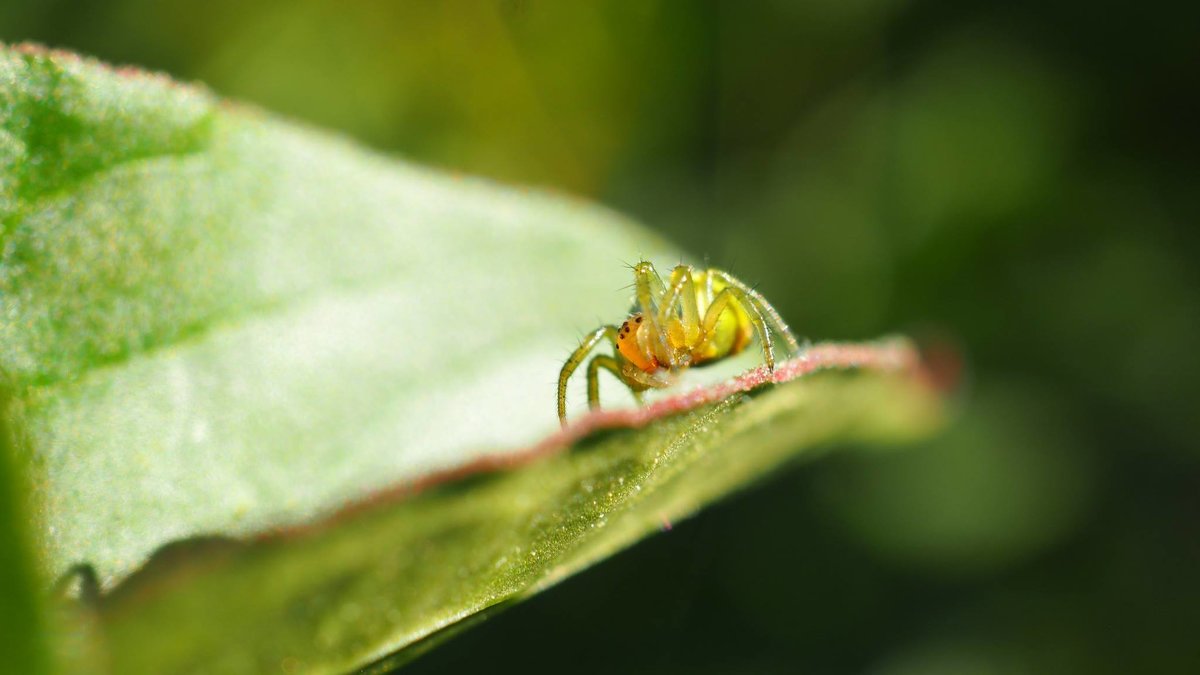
699 317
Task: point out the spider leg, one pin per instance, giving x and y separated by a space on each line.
682 292
729 294
589 343
759 303
593 377
650 292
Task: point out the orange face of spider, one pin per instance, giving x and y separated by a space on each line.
631 338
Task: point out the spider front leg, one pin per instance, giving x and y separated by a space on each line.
682 292
589 343
593 379
759 304
650 294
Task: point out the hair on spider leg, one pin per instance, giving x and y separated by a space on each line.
632 267
578 331
731 267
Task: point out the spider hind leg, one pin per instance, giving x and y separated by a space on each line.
756 302
593 377
577 357
721 303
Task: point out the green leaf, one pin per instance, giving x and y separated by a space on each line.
389 573
217 322
21 639
218 328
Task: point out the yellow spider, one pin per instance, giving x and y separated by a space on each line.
700 317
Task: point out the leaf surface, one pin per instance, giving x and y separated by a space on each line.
214 322
377 583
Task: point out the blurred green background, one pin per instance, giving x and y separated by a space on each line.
1018 178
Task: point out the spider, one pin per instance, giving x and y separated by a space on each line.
697 318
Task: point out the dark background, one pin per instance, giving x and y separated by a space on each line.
1019 177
